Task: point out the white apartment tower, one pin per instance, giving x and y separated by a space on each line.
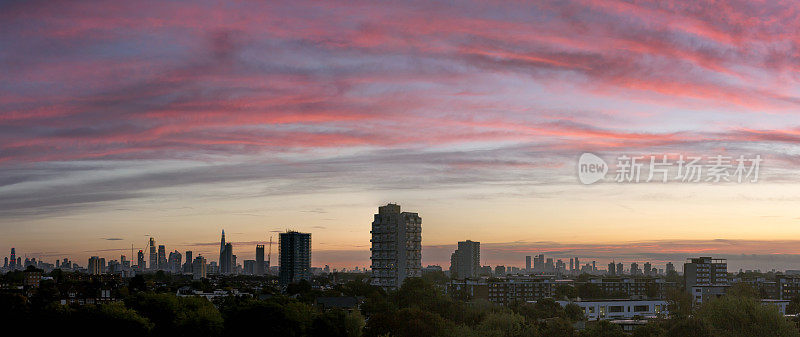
396 246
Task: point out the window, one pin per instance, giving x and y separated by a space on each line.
641 308
616 308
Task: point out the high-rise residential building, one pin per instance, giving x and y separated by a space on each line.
577 266
93 267
153 255
199 268
295 258
612 268
571 265
259 267
5 262
249 267
140 260
620 268
162 257
648 269
465 261
705 271
528 263
396 246
187 267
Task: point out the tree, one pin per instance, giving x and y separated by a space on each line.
113 317
651 329
557 327
415 322
735 315
505 324
574 312
177 316
688 327
565 291
679 303
603 329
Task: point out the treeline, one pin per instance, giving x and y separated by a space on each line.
419 308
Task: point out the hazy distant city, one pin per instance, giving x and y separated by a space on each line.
302 168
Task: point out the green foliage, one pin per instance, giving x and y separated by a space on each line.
734 316
505 324
574 312
688 327
603 329
743 290
112 317
679 303
651 329
178 316
565 292
557 327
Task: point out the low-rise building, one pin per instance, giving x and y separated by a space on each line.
620 309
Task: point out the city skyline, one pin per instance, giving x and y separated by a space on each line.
121 122
515 255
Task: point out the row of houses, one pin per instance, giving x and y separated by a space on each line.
533 287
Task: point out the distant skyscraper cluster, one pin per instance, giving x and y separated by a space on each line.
396 254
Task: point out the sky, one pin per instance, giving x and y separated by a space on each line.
177 119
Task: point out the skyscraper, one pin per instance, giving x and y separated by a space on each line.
670 268
465 261
162 257
620 268
140 260
93 267
174 262
295 259
153 256
396 246
528 264
612 268
227 264
199 268
259 267
187 267
225 256
13 258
